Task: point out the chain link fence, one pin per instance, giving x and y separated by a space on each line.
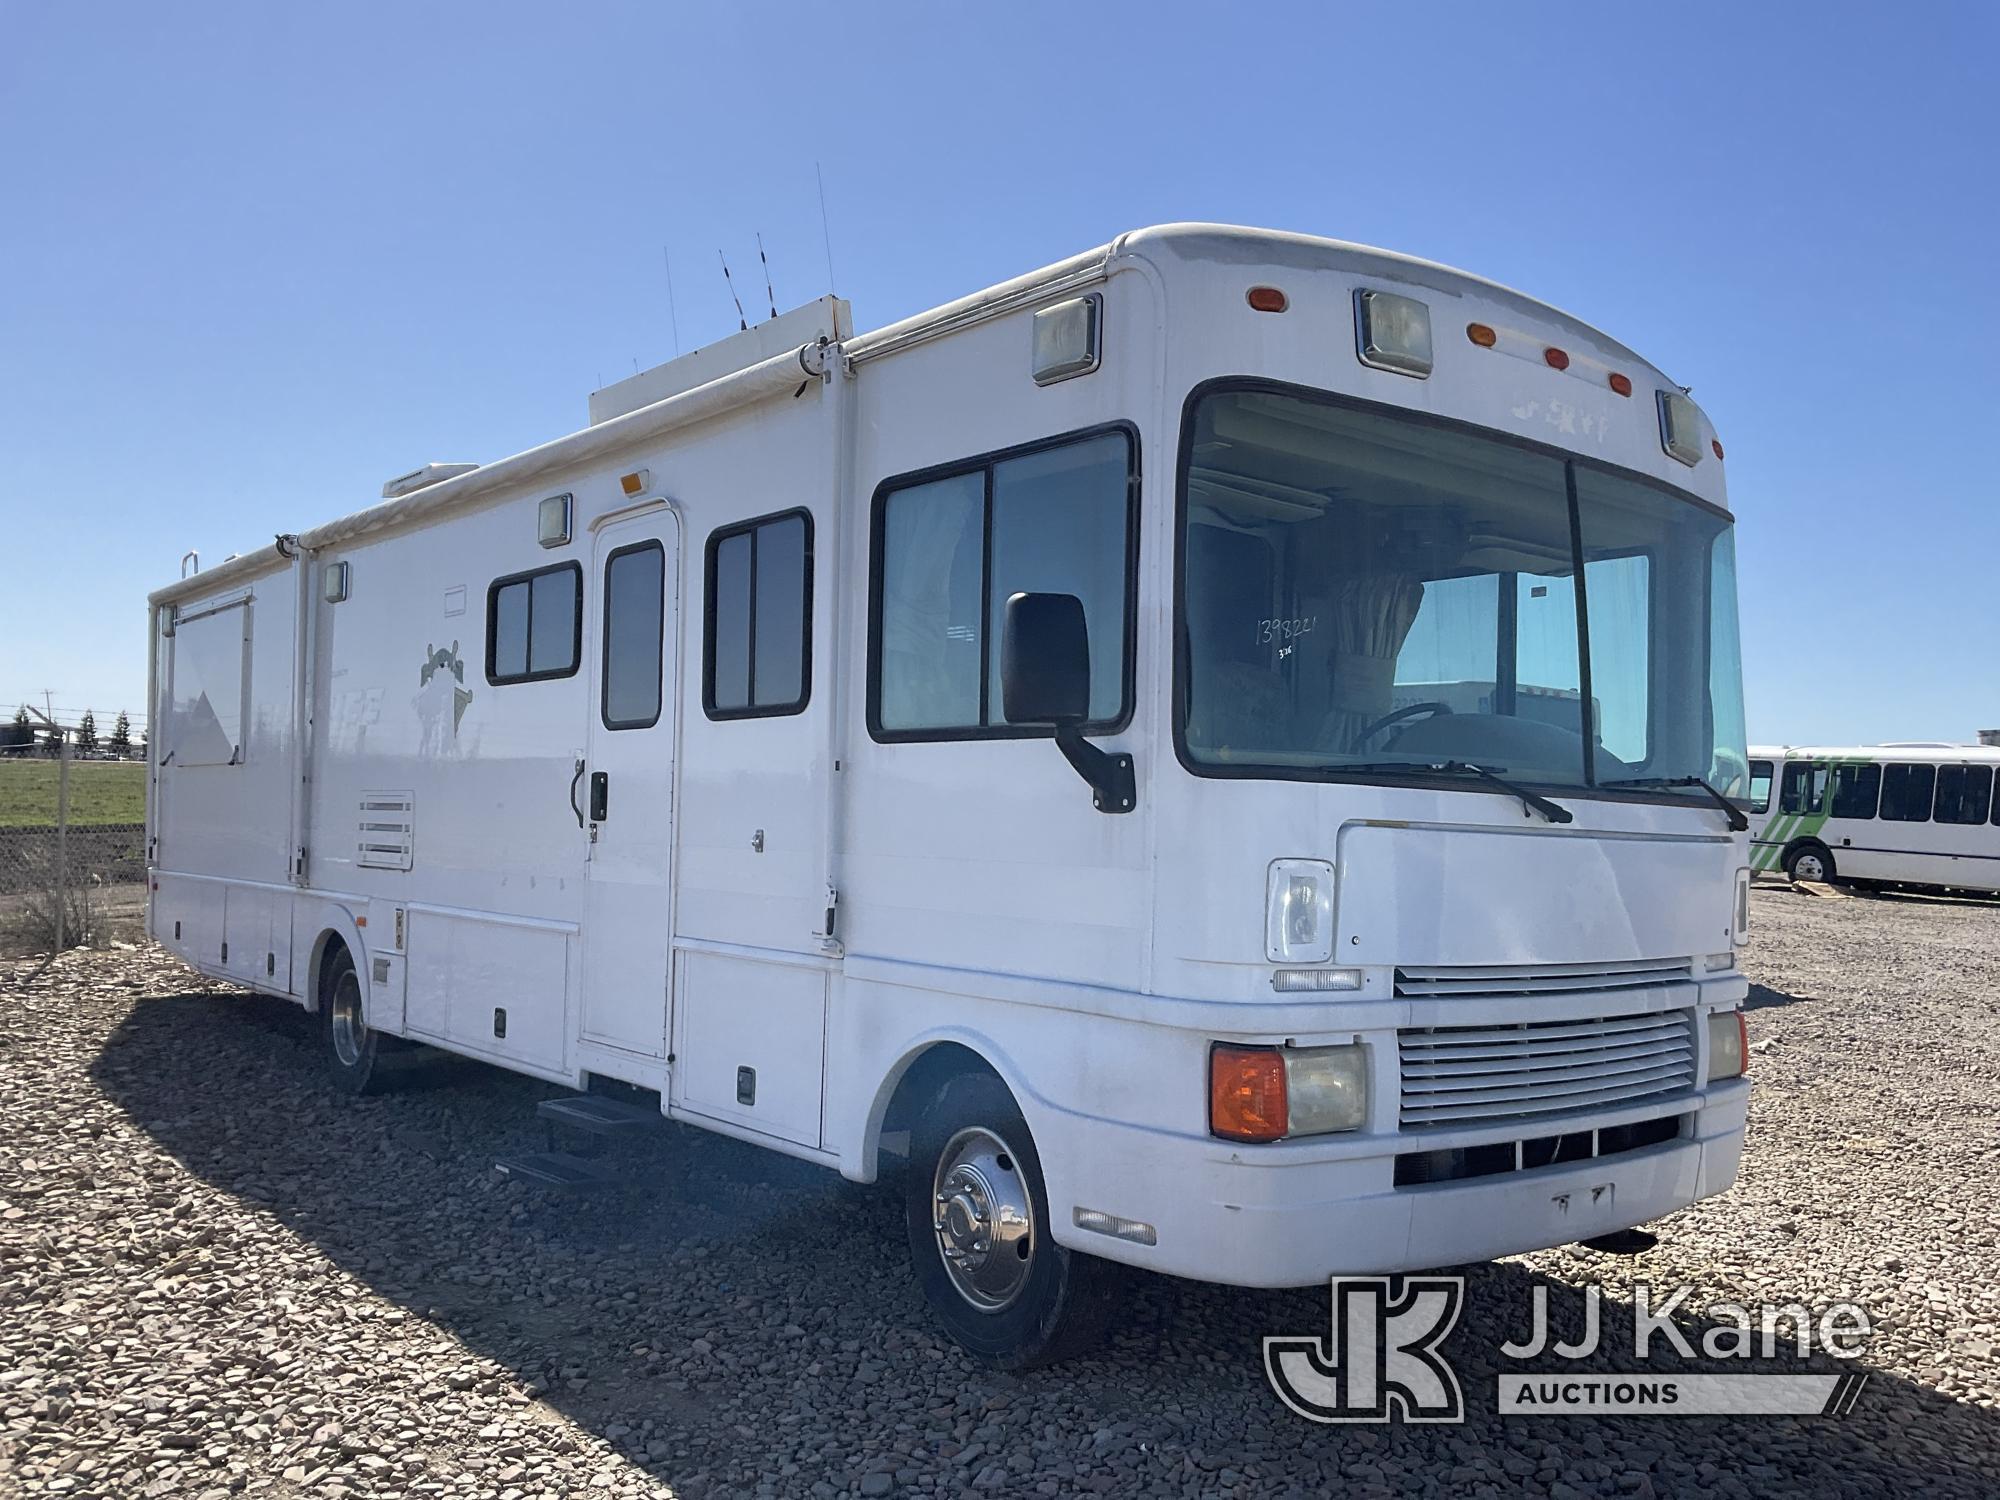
72 853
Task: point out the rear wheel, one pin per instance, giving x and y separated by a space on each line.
1810 862
978 1222
353 1048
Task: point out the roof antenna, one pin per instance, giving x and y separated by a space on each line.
825 233
769 295
673 313
742 323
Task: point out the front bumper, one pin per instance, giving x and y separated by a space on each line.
1297 1212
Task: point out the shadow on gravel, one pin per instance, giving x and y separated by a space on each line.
736 1319
1763 996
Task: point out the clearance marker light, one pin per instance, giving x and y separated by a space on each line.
633 483
1715 446
1481 335
1555 359
1622 384
1267 299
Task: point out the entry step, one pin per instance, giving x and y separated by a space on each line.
600 1115
557 1169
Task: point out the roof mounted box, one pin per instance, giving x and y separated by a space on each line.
828 318
424 478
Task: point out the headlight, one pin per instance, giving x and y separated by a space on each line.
1269 1093
1298 912
1728 1045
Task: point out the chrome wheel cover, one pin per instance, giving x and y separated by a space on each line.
984 1217
1809 867
350 1030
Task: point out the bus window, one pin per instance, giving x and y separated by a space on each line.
1964 793
1906 793
1804 789
1760 786
1855 789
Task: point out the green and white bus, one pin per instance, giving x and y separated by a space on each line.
1895 816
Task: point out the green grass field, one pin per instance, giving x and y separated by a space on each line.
99 792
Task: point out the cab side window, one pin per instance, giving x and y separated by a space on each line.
1760 786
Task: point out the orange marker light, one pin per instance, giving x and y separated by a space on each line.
1622 384
1742 1024
1556 359
1246 1093
1267 299
1481 335
631 484
1716 445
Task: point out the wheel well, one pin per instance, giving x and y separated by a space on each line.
330 943
922 1077
1805 843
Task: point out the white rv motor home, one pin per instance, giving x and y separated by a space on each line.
1222 753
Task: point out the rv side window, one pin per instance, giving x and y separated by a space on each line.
1804 788
757 659
1855 789
634 635
1906 793
950 549
1760 786
1964 793
534 624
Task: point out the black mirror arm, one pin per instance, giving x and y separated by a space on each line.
1114 787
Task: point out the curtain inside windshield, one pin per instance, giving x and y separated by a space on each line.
1362 588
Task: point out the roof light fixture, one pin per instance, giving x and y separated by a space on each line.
1068 339
1392 333
1680 427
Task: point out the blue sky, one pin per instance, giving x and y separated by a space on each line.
254 259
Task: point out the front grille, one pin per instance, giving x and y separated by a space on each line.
1459 1075
1499 981
1415 1168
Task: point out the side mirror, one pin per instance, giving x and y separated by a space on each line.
1045 660
1045 679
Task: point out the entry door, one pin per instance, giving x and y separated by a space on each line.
629 786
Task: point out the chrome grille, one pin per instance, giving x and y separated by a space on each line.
1470 981
1456 1075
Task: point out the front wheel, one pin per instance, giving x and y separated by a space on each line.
978 1221
1810 862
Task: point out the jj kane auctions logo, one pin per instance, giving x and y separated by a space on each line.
1382 1358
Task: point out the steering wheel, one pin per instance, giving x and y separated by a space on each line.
1430 709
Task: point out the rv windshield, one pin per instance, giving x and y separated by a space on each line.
1367 589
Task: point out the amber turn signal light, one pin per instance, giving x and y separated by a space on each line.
1246 1093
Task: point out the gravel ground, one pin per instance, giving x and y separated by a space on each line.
217 1277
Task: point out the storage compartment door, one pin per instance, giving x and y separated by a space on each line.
752 1044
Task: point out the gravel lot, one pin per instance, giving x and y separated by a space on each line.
218 1277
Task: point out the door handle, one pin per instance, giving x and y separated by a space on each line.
573 782
600 796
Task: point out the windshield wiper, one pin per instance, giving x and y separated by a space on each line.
1737 822
1555 812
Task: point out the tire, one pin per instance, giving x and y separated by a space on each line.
1811 862
1022 1302
353 1048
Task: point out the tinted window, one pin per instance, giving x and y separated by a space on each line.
759 653
1964 793
1804 789
1855 789
951 551
1760 786
1906 793
534 624
633 580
